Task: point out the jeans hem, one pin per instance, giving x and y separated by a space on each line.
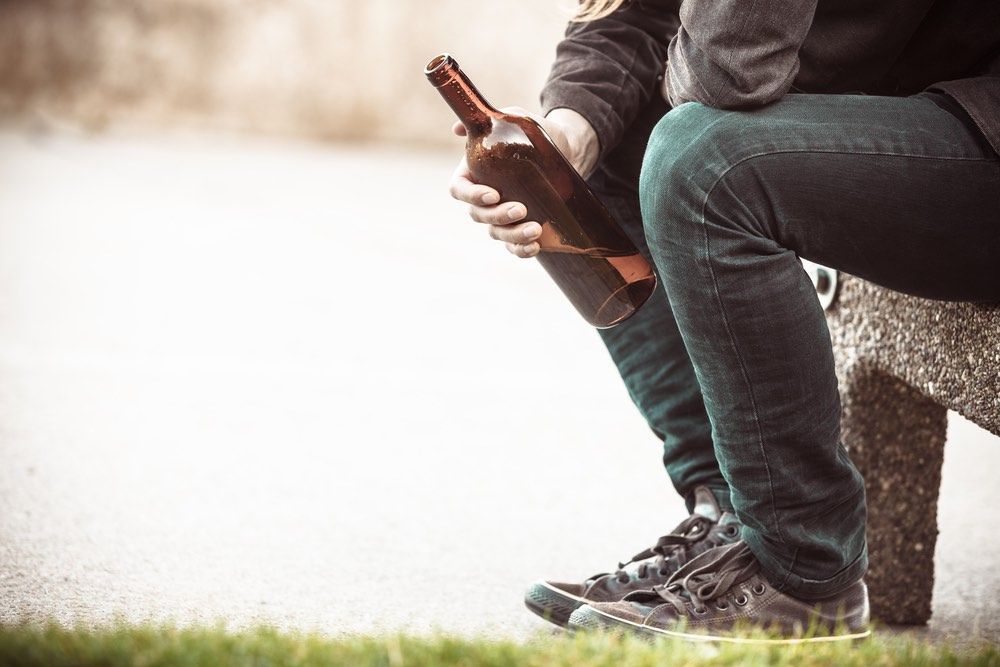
786 581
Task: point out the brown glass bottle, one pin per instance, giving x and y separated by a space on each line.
583 249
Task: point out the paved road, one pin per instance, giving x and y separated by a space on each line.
277 383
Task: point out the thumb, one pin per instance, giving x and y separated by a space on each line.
519 111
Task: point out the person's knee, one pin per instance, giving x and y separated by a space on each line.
689 150
672 151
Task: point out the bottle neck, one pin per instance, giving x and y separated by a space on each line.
459 92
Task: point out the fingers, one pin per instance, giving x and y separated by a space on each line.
504 214
465 190
522 234
520 239
519 111
525 251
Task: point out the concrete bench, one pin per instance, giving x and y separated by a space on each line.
903 363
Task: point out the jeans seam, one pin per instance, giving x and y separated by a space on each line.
789 570
739 356
821 151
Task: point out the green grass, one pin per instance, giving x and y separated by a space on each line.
152 646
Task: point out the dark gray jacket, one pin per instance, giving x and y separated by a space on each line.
735 54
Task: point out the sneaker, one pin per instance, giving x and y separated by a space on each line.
721 593
708 527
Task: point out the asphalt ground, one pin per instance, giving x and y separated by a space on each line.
266 382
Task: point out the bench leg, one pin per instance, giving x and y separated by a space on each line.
895 436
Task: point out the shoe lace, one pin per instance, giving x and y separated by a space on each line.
707 577
675 544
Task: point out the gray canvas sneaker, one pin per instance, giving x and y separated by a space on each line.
707 527
718 596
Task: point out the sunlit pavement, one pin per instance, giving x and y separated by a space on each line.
281 383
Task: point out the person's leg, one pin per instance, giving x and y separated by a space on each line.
647 348
656 369
894 190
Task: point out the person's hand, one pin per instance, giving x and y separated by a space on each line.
577 141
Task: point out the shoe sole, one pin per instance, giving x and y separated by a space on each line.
588 618
551 603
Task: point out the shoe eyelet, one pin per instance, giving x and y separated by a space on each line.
741 600
700 610
722 606
732 531
664 573
758 589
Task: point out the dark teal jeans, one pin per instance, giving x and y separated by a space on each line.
732 364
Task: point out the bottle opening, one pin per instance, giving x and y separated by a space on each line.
440 69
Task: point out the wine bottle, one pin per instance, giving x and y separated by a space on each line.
582 248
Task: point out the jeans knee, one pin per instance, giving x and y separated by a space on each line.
689 150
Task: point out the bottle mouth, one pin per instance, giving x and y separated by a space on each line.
440 69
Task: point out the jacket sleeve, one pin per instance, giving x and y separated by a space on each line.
607 70
733 54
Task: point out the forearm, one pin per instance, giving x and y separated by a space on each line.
583 147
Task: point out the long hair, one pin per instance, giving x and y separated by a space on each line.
596 9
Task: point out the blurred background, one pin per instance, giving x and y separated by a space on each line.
329 70
257 367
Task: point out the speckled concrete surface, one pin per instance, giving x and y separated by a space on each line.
896 438
948 351
276 383
902 362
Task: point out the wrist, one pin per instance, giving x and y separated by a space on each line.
581 138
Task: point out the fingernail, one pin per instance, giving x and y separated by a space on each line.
515 213
491 198
532 231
